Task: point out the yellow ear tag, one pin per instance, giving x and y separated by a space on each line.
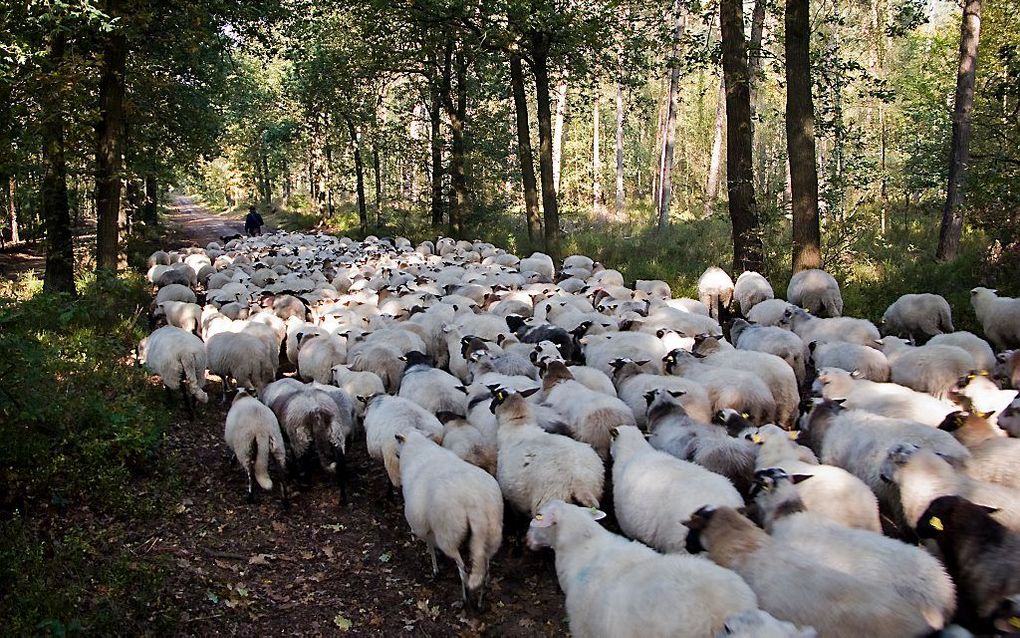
1015 622
936 523
793 434
538 517
756 438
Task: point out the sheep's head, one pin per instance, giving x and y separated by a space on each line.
897 456
544 527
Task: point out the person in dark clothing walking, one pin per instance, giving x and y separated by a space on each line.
253 222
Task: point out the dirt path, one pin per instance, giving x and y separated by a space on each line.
190 223
321 568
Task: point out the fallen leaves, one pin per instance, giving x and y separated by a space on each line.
342 623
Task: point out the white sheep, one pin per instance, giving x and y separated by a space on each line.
655 492
999 317
385 417
540 263
433 389
816 291
183 315
920 579
782 343
468 442
832 492
931 368
769 312
632 386
741 390
175 292
750 290
616 588
252 432
810 328
918 316
984 356
870 363
887 399
535 467
318 355
589 414
756 623
451 504
240 356
715 290
179 358
360 386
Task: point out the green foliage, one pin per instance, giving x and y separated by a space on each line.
81 453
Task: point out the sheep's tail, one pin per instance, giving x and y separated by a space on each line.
262 445
320 423
946 321
193 377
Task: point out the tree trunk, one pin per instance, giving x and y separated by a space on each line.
540 49
952 215
598 203
715 162
436 143
12 208
150 208
754 46
457 112
378 184
359 172
669 137
620 115
747 244
800 138
524 153
56 211
557 141
109 149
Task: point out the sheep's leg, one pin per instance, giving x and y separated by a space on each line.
432 554
168 397
189 403
284 501
341 476
251 484
225 386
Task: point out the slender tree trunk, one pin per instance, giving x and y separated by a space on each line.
436 143
669 137
12 208
747 245
557 141
598 203
754 52
359 173
457 112
151 206
952 214
378 184
715 161
56 211
524 153
800 138
109 149
540 49
620 117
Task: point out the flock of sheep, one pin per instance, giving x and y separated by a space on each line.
772 464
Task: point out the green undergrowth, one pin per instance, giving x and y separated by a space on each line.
82 464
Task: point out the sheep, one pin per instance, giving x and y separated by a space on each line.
385 417
984 357
750 290
252 432
183 315
832 492
617 588
794 587
999 317
933 368
382 359
601 349
654 492
815 291
540 263
977 392
179 358
715 290
781 343
358 385
994 457
1009 419
727 388
312 422
159 257
632 384
887 399
468 442
588 414
982 555
859 441
759 624
451 504
769 312
672 431
920 579
431 388
175 292
869 363
922 476
1007 368
810 328
535 467
318 355
242 357
539 332
654 288
918 317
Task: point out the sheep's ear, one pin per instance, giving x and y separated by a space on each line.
401 438
797 478
528 393
984 415
856 374
614 432
641 363
988 508
756 438
596 514
879 342
676 394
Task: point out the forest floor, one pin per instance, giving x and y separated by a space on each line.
321 567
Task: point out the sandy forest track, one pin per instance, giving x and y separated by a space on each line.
320 568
